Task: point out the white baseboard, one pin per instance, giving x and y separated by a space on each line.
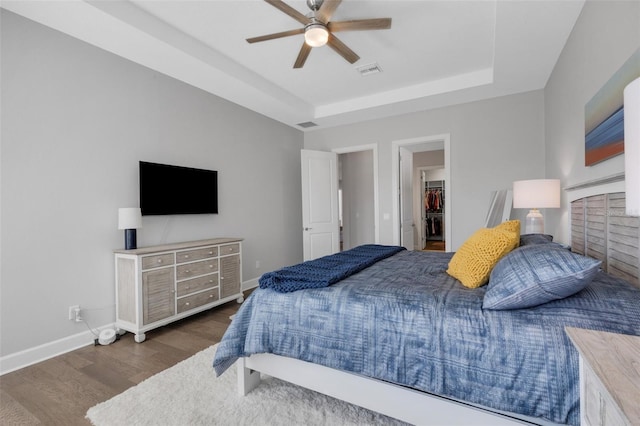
247 285
27 357
46 351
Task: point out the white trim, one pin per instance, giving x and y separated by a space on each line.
433 140
376 209
27 357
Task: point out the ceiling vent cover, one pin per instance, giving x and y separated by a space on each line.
307 124
369 69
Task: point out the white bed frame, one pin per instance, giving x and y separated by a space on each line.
409 405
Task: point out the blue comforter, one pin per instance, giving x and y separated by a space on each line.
406 321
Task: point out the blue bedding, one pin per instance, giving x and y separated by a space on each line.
404 320
327 270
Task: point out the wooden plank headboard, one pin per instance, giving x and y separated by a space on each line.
600 229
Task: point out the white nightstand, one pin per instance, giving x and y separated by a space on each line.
609 377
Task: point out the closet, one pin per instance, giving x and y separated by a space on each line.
433 217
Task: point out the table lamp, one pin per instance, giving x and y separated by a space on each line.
536 194
129 219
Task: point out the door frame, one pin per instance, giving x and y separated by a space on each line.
376 208
420 144
405 198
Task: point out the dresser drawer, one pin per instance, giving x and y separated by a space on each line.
157 261
191 302
197 284
229 249
198 254
194 269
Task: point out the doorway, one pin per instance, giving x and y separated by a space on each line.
401 201
431 201
358 196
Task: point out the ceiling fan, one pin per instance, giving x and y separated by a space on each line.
318 28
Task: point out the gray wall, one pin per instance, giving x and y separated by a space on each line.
493 143
75 122
604 37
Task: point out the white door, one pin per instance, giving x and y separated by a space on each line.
406 198
321 229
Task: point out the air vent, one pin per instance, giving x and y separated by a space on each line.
307 124
369 69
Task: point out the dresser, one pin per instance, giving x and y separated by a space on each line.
609 377
161 284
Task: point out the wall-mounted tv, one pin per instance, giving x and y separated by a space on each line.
166 189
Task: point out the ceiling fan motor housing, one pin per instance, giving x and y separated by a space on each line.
314 4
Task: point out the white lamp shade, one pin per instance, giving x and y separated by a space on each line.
632 147
129 218
536 194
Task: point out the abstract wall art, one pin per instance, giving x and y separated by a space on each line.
604 122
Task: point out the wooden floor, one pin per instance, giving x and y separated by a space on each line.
59 391
434 245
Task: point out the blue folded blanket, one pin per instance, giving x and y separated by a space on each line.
327 270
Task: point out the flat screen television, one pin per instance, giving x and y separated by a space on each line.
166 189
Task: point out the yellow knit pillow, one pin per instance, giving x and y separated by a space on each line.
511 226
473 262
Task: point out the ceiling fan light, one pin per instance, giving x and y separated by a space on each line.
316 35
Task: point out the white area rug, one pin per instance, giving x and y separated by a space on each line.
189 393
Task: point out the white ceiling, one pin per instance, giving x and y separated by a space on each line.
437 53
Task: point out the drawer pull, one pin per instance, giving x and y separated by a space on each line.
159 260
186 304
187 271
210 252
211 296
222 278
211 281
187 287
186 256
230 249
210 266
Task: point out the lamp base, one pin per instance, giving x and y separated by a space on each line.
534 223
130 239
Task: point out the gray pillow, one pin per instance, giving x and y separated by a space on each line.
535 274
529 239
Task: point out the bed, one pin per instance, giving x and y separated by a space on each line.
405 338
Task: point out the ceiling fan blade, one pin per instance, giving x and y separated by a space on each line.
360 25
302 56
327 9
342 49
275 35
283 7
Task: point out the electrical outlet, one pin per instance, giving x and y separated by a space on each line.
74 313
